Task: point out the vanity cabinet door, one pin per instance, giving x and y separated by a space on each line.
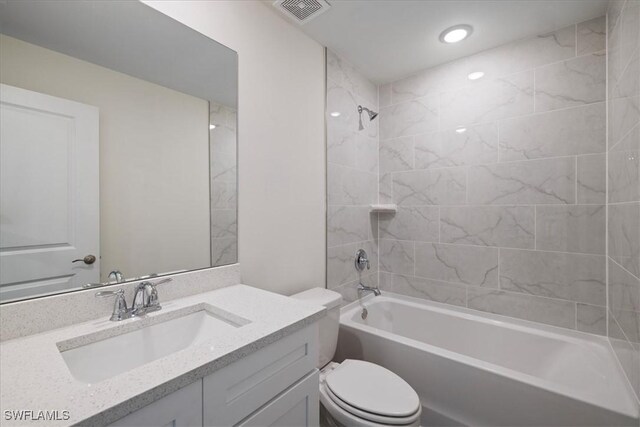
182 408
297 406
236 391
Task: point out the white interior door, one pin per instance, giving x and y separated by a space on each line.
49 193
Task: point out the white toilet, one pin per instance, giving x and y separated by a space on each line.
355 392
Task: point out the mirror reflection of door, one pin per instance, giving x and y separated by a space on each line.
49 194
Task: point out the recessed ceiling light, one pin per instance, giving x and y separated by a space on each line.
335 114
211 127
475 75
461 130
456 33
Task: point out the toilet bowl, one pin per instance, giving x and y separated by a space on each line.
356 392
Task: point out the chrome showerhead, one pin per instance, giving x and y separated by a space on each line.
372 115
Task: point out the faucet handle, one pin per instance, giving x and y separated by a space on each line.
153 301
120 310
362 260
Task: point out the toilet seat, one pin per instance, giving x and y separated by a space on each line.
370 394
375 418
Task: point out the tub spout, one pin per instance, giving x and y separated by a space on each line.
363 288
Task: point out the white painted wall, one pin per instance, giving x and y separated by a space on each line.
149 136
281 140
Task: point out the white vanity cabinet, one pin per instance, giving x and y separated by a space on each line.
182 408
276 385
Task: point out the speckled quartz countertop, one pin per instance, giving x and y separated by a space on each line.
34 376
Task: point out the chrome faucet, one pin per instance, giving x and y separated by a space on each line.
145 300
363 288
116 274
362 262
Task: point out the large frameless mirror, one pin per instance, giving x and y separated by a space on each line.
118 147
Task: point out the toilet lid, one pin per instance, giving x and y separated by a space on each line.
372 388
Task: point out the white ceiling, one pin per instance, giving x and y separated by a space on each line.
390 39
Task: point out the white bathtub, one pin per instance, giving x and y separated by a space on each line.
480 369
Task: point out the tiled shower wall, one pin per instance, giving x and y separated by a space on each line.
624 184
352 177
500 182
224 200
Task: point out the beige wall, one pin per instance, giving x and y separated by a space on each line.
281 140
149 137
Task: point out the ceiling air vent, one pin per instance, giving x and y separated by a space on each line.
302 11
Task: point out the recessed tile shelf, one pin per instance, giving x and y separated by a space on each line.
380 208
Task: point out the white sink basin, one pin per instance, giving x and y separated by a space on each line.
104 359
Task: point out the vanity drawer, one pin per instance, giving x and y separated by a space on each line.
237 390
298 406
182 408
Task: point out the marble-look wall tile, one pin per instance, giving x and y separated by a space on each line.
592 36
591 319
396 154
613 12
457 147
430 187
224 223
348 186
488 101
349 224
384 95
352 177
571 83
430 82
628 353
574 277
342 131
222 154
577 228
385 188
580 130
409 118
624 115
624 289
367 157
224 251
548 181
223 194
472 265
626 84
397 256
629 322
592 181
506 226
624 235
626 35
544 310
223 184
432 290
410 223
525 54
624 176
351 79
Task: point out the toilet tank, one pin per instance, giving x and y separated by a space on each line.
328 325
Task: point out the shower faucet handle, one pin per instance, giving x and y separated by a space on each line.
362 260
